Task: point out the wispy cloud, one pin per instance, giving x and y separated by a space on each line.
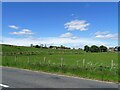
106 35
103 33
69 35
80 25
66 35
13 26
23 32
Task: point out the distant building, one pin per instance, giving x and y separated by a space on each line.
111 49
53 47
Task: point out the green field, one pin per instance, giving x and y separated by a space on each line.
102 66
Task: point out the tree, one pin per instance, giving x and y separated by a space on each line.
62 47
94 48
37 46
103 48
31 45
118 48
50 46
86 48
41 45
45 46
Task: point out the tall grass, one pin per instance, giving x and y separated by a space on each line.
88 69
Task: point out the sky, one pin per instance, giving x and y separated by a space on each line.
61 23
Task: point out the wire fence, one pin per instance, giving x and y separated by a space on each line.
80 68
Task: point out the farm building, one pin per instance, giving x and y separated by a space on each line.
111 49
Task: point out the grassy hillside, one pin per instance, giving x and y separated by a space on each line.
11 48
101 66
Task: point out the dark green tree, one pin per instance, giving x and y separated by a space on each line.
62 47
118 48
94 48
86 48
37 46
103 48
51 46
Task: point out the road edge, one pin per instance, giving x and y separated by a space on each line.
63 75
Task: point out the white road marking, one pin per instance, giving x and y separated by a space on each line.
4 85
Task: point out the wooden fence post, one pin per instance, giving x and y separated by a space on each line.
61 62
49 62
112 63
83 62
44 59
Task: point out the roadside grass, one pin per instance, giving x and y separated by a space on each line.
100 66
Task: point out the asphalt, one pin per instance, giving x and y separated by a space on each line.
19 78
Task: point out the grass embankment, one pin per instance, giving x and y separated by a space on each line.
102 66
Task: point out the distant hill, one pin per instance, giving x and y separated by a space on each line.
13 48
25 50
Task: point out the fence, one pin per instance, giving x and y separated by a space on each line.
81 67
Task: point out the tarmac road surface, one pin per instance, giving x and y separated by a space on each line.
19 78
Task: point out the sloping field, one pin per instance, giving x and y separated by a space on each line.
102 66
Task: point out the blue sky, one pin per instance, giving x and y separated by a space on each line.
70 24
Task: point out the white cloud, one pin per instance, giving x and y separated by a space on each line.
80 25
23 32
13 27
106 35
103 33
66 35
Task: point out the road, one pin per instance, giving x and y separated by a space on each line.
18 78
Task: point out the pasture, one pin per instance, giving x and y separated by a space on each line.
101 66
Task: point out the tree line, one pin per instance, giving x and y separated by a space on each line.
51 47
93 48
101 48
